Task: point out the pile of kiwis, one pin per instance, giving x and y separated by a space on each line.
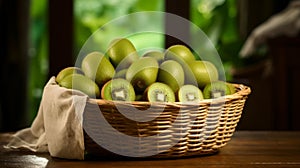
121 74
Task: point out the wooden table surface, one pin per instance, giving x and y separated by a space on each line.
246 149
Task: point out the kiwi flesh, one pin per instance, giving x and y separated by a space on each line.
189 93
216 89
159 92
118 89
231 87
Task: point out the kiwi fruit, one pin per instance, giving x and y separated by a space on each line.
142 73
189 93
171 73
119 90
121 53
231 87
216 89
159 92
179 52
158 55
67 71
139 97
183 56
121 74
205 72
97 67
81 83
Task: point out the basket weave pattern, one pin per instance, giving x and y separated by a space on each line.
180 129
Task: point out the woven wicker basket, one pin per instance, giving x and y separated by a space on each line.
192 129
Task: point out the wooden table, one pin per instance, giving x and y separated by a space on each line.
246 149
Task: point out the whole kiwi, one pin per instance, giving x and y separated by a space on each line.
171 73
158 55
183 56
82 83
142 73
67 71
179 52
97 67
205 72
122 53
121 74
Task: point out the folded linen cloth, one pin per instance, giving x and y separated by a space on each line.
57 128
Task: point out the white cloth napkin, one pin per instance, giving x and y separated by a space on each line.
285 23
57 128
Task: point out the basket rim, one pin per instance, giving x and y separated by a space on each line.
243 91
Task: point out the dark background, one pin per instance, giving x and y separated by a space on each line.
271 106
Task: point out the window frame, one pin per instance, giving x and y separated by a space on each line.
61 30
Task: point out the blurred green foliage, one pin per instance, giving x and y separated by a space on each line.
218 20
90 15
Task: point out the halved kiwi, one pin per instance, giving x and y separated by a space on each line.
118 89
158 55
216 89
231 87
189 93
67 71
159 92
